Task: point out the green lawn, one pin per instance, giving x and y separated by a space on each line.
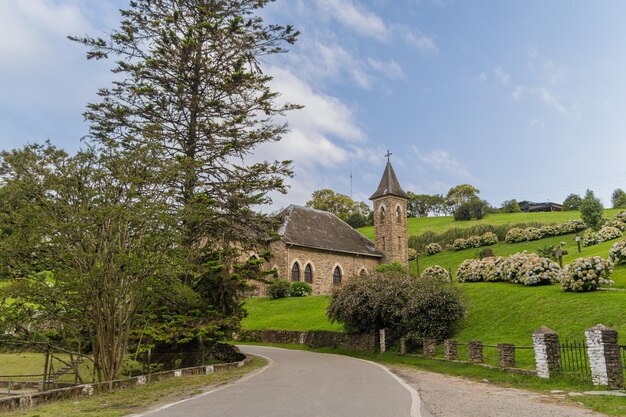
298 313
419 225
497 312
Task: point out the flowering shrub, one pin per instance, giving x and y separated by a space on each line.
432 248
489 238
606 233
520 268
617 254
468 271
460 244
586 274
618 224
621 216
412 254
515 235
436 273
540 271
533 233
474 241
300 289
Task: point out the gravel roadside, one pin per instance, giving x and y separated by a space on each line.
449 396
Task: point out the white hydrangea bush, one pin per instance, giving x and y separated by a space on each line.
436 273
617 254
432 249
489 238
468 271
605 234
515 235
586 274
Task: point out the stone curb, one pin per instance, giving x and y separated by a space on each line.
86 390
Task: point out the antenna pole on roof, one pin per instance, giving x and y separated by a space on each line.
388 154
350 185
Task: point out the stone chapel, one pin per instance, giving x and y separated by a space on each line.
317 247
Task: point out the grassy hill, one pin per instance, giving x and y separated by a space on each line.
419 225
497 312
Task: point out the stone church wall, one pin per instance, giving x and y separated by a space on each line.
323 263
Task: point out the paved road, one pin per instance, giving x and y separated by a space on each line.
305 384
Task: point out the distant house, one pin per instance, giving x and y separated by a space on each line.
531 206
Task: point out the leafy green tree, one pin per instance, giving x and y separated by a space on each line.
189 84
591 210
618 198
511 206
460 194
472 209
572 202
91 234
190 88
420 205
355 213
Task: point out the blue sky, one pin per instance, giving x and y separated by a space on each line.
523 100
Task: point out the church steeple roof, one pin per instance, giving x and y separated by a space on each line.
389 185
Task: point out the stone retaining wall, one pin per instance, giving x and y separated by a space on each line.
31 400
315 339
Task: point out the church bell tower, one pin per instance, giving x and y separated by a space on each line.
390 218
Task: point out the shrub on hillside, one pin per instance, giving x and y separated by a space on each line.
605 234
432 249
591 210
520 268
460 244
412 254
489 239
533 233
515 235
391 267
300 289
474 242
616 224
410 307
436 273
278 288
617 254
621 216
586 274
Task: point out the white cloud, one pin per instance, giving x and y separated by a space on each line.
502 75
419 40
549 98
362 21
391 69
443 161
517 93
483 77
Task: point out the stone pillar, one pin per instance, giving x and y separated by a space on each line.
451 350
430 347
547 352
506 355
403 346
475 351
604 357
385 338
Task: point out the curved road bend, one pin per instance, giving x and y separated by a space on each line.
304 384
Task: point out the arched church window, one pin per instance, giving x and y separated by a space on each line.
382 214
295 272
398 215
337 276
308 274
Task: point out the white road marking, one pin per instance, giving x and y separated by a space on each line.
204 394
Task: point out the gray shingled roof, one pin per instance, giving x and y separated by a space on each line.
317 229
389 185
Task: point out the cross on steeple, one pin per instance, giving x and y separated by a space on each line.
388 154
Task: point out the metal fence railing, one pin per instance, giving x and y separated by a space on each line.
575 360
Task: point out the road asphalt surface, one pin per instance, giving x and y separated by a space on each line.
299 383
